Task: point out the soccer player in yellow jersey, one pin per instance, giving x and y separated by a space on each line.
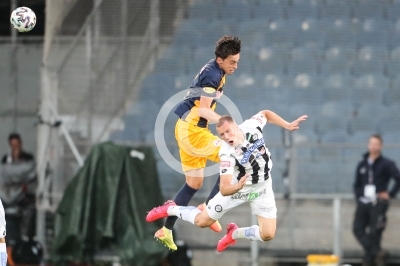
196 142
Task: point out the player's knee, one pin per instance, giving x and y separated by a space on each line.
202 223
267 236
195 183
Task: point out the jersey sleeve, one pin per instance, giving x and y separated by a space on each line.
255 121
209 82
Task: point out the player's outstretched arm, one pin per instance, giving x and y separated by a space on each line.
275 119
227 189
206 112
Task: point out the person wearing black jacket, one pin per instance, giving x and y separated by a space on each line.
371 191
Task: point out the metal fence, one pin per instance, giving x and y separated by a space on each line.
93 62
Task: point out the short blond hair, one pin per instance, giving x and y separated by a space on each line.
223 119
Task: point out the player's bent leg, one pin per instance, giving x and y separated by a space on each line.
215 226
267 228
194 178
265 231
203 220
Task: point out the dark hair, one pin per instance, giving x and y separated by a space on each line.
14 136
377 136
226 46
223 119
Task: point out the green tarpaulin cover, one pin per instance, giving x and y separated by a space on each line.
105 205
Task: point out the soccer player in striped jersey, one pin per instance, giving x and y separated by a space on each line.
245 166
3 249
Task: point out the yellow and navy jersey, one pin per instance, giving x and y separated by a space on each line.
208 82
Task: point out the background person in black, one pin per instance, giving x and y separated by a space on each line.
17 190
16 152
372 195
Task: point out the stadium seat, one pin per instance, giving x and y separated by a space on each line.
282 31
368 110
370 9
362 124
270 10
343 32
303 9
336 9
373 53
253 31
396 83
275 52
359 96
391 96
311 31
306 81
372 81
312 52
389 124
334 137
189 35
392 68
276 81
393 65
393 10
308 95
393 38
376 25
208 11
337 109
302 66
217 28
378 38
338 66
395 54
341 53
359 137
172 66
271 66
183 82
373 66
239 11
327 124
393 138
338 81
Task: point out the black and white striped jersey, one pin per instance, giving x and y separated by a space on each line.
251 157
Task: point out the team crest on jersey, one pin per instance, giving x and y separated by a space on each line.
255 137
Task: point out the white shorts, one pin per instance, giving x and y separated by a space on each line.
260 196
2 221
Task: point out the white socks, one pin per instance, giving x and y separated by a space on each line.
251 233
3 254
187 214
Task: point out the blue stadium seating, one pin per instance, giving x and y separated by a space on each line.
370 9
303 9
270 10
336 9
337 61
